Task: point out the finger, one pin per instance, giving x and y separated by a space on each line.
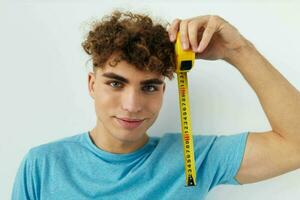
184 34
193 31
173 29
207 34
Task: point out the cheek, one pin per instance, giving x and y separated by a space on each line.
154 104
105 101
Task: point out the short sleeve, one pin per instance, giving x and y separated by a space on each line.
23 188
225 158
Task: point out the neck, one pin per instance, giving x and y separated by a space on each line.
104 140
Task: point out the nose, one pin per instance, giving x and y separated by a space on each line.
132 101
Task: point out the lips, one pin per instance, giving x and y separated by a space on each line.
128 123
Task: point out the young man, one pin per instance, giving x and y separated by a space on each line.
118 160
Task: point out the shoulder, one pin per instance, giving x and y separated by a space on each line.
57 147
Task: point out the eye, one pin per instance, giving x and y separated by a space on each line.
115 84
150 88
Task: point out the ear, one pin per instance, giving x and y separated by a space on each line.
91 84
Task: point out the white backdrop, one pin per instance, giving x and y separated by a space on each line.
43 78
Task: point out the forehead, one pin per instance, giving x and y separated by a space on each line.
129 72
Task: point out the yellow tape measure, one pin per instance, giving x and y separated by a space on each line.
184 63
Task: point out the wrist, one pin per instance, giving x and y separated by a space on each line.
237 56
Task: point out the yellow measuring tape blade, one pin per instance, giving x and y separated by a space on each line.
187 137
185 60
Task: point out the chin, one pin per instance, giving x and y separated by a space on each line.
128 136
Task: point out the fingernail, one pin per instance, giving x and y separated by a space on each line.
172 37
185 46
200 48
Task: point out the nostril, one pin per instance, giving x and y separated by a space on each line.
131 106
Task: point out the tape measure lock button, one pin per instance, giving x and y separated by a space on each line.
186 65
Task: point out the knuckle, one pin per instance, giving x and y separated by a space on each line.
184 22
213 22
174 24
214 19
192 23
176 20
183 25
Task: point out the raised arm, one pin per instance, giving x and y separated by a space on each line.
270 153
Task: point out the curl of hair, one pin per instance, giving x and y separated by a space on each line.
135 38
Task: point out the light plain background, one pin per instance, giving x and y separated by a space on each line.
43 78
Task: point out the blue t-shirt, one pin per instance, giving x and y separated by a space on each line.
75 168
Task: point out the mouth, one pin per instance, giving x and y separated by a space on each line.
129 123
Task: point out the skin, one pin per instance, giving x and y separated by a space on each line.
115 98
269 153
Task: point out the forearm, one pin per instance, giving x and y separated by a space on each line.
279 99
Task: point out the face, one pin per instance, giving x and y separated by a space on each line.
127 101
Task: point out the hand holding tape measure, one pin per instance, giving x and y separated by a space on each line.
184 63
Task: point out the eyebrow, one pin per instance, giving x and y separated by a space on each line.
122 79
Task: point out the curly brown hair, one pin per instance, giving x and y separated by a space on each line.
135 38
